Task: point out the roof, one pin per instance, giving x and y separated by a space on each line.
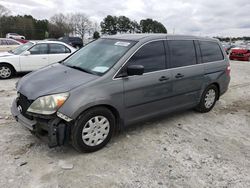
152 36
50 42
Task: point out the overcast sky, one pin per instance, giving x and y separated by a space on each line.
196 17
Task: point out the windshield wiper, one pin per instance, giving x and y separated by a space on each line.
81 69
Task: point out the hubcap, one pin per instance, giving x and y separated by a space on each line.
210 98
5 72
95 131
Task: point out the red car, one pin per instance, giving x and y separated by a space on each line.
22 40
242 54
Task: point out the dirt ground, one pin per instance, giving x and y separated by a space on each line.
187 149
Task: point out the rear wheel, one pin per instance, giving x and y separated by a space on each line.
208 99
93 129
6 71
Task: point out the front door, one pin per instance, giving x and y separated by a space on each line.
147 94
37 58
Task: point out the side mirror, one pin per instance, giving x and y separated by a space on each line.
135 70
26 53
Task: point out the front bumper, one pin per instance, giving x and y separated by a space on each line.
57 130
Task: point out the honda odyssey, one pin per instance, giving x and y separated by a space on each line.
118 80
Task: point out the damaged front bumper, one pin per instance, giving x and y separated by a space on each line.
57 130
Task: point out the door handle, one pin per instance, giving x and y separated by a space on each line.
163 78
44 58
179 75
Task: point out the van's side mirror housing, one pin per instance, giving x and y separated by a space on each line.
135 70
26 53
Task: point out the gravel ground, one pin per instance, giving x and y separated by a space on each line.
187 149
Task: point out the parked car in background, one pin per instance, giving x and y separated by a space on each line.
8 44
76 42
14 36
23 41
32 56
119 80
240 54
228 47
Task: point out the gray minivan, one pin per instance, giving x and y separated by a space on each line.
119 80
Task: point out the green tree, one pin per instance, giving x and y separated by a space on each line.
123 24
96 35
152 26
135 27
109 25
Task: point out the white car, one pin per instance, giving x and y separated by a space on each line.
8 44
14 36
32 56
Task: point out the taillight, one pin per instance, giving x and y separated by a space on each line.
228 70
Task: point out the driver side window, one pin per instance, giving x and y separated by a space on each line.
151 56
39 49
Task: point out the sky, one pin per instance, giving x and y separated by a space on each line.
192 17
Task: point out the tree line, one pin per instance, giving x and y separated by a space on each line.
75 24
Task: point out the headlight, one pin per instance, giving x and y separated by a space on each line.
48 104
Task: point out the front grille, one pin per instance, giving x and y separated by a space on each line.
24 102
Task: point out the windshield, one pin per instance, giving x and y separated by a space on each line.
99 56
22 48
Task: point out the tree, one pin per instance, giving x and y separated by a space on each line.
4 11
59 26
123 24
135 27
96 35
152 26
80 24
109 25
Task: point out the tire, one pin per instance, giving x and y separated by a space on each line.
6 71
208 99
86 133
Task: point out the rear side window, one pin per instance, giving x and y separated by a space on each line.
151 56
210 51
58 49
182 53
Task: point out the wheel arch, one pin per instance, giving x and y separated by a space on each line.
218 87
118 119
9 64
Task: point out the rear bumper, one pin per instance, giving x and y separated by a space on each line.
57 130
240 58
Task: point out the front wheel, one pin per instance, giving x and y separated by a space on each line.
93 129
208 99
6 71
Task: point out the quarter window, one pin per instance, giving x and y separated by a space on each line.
182 53
151 56
210 51
58 49
39 49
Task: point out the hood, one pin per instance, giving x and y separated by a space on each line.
5 54
53 79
